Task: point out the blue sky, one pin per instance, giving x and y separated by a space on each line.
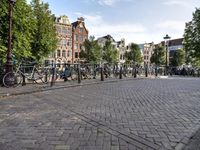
137 21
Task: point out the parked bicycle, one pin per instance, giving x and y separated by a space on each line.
14 79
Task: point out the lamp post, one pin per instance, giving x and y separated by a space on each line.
9 53
167 37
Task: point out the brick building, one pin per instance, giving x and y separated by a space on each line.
147 51
79 35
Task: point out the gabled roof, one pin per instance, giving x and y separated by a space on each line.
78 22
107 37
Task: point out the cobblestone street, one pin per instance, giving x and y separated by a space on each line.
126 115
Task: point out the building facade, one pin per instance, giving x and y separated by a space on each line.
172 45
147 51
102 41
63 53
79 35
122 50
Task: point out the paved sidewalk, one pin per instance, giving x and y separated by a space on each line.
147 114
33 87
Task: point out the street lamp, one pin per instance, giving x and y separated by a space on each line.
167 37
9 54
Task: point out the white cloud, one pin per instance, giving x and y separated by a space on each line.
98 27
176 2
108 2
172 25
132 32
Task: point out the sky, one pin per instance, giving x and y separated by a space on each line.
137 21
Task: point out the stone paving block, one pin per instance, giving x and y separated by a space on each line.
62 147
145 114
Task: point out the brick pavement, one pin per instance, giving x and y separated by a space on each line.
33 87
138 114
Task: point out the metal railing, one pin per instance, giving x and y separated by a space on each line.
53 73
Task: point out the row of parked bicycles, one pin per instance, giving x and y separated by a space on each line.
33 72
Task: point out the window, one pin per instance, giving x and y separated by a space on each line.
68 53
64 53
64 31
58 53
76 54
76 46
58 29
65 42
69 42
81 38
76 37
64 21
81 30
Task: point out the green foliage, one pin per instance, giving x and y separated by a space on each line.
134 55
44 35
192 39
158 56
178 58
110 55
22 28
33 31
92 51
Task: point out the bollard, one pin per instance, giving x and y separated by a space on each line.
45 79
64 73
102 77
23 80
132 71
53 76
156 71
146 69
135 73
94 72
79 73
120 73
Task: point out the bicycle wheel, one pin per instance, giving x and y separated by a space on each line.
45 76
11 79
74 73
38 77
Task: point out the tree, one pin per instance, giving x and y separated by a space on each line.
158 56
44 35
34 33
178 58
22 29
192 40
110 54
134 55
91 50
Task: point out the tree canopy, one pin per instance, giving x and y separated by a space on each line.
22 29
44 35
178 58
158 56
34 34
110 54
134 55
91 50
192 39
